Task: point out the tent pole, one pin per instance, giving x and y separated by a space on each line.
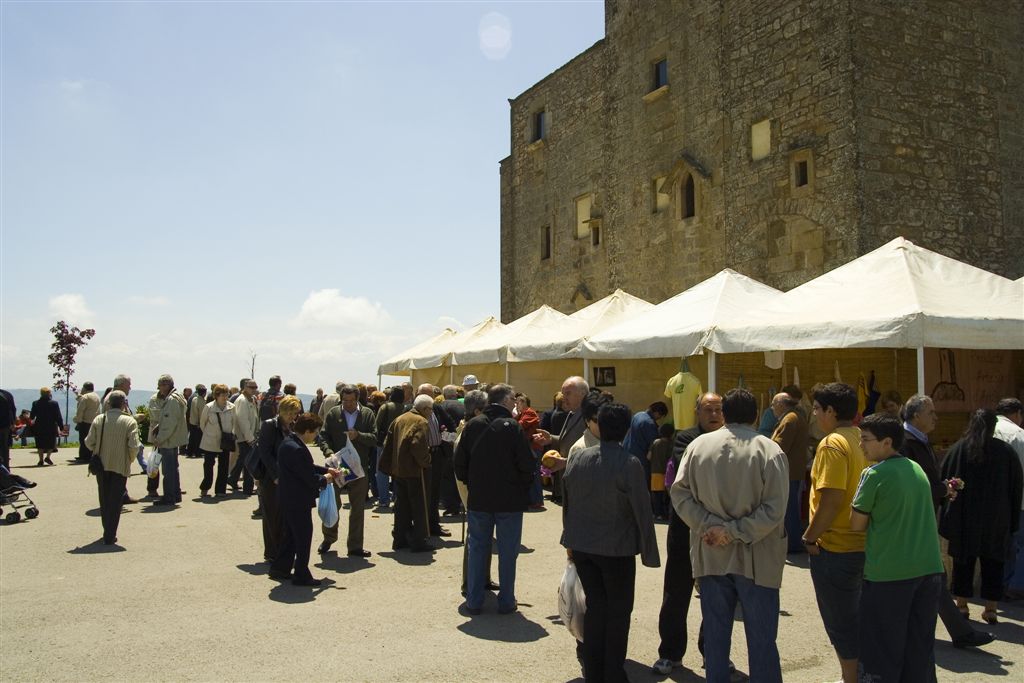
451 374
712 371
920 369
506 373
586 369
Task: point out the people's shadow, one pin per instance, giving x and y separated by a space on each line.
97 547
506 628
288 594
156 509
95 512
970 660
261 569
798 560
409 559
638 672
333 562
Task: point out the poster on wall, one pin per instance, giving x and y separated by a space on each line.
962 380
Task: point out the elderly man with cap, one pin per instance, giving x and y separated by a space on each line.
406 457
470 383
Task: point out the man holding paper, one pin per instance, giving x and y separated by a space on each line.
344 424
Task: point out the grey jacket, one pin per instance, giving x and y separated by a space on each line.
606 506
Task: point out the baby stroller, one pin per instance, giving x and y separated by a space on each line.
13 495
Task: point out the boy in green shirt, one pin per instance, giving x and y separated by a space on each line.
902 565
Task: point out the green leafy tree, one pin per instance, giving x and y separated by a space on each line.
66 343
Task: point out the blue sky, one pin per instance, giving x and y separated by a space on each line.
314 182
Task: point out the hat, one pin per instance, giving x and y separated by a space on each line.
469 379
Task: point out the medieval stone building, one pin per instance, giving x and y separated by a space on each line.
780 138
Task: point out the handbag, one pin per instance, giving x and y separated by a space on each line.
95 463
254 460
227 439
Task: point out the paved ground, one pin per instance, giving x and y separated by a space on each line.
184 599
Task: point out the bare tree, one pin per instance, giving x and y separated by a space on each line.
252 364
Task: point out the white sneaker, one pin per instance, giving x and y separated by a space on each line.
665 666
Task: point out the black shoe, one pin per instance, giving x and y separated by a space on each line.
306 582
491 586
451 513
359 553
233 486
279 576
440 531
973 639
323 547
472 611
106 542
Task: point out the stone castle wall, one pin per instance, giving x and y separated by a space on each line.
818 73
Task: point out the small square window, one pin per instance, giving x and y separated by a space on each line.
545 243
660 73
583 215
760 139
540 126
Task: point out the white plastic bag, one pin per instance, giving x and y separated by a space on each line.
350 460
327 507
572 603
153 463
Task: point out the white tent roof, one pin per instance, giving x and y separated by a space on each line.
563 339
899 295
678 327
401 364
440 354
492 347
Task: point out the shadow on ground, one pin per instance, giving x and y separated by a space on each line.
507 628
97 547
288 594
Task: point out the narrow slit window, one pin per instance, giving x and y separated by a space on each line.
689 197
540 126
545 243
595 235
801 173
660 73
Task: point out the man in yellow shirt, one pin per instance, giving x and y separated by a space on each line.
836 551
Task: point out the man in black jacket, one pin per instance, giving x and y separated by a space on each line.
494 461
678 585
919 420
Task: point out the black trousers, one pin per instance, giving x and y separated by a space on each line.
83 431
991 577
410 513
244 449
222 459
438 456
293 555
195 435
676 593
897 629
111 488
273 526
5 447
609 583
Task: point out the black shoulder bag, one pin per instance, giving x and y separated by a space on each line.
95 463
227 439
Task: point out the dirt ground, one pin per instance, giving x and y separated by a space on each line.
184 597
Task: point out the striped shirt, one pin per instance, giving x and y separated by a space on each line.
117 436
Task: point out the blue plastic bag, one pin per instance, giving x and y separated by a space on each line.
327 506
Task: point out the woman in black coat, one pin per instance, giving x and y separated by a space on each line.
272 433
981 519
47 422
298 483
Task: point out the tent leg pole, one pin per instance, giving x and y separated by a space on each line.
506 373
451 374
712 371
920 369
586 369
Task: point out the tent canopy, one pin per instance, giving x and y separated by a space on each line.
678 327
898 296
436 355
492 347
562 340
401 364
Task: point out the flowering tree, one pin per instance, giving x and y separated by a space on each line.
65 347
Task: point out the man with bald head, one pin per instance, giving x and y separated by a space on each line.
438 422
678 584
574 389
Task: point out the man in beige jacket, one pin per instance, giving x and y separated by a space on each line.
88 407
114 436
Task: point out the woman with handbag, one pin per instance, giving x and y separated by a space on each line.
272 433
218 427
114 440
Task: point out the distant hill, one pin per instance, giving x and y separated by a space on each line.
23 399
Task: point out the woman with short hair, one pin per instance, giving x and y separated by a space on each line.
272 433
218 419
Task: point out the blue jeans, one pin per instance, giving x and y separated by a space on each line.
1015 559
536 489
172 480
794 525
718 596
383 485
482 525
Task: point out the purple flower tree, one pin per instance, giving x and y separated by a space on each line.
65 347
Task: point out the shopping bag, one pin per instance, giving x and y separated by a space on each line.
153 463
327 507
572 603
349 458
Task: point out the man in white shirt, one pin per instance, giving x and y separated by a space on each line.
1009 415
247 425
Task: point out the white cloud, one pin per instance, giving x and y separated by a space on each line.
149 300
72 87
328 308
71 308
495 34
448 321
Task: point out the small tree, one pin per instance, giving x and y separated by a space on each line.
65 347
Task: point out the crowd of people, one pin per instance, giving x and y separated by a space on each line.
879 505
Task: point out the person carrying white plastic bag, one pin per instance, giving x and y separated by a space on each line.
572 603
153 463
